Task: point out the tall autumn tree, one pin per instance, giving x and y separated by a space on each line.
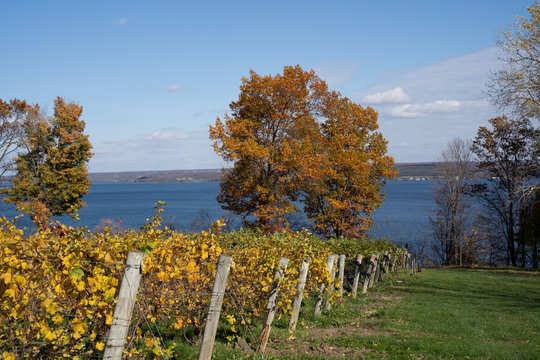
52 176
259 138
347 170
291 139
507 154
517 85
449 223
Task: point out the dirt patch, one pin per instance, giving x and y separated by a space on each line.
313 343
289 347
316 340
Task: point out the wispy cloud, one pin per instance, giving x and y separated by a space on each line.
423 110
396 95
122 21
158 150
163 136
446 99
175 88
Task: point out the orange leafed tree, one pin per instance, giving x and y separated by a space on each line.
342 181
258 138
290 139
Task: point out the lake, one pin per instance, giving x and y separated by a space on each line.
403 216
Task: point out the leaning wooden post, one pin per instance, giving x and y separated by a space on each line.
320 299
331 288
124 306
272 301
378 269
357 272
369 270
341 274
374 270
297 302
386 263
214 309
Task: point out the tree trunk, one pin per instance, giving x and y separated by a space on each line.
511 235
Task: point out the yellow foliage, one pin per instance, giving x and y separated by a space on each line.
62 288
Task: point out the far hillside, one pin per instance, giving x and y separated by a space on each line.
407 171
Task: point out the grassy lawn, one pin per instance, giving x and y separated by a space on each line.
439 314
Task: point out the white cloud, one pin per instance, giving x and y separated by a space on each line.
447 100
396 95
160 150
175 88
164 136
423 110
122 21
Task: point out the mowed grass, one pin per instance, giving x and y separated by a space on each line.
459 314
438 314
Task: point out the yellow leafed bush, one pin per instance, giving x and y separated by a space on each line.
58 286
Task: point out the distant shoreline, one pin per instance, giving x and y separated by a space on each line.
407 171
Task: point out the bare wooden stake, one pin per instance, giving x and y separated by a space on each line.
297 302
378 269
357 272
272 304
124 306
374 271
341 275
328 304
414 264
369 270
386 263
214 309
320 299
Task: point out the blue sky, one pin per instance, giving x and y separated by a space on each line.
152 76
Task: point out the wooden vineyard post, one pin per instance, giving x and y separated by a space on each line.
124 306
341 274
386 263
328 304
297 302
374 271
369 270
272 304
357 271
320 299
214 309
378 269
414 263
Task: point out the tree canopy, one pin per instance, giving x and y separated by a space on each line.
517 85
507 153
12 115
291 140
51 174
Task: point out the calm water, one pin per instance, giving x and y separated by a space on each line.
402 217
